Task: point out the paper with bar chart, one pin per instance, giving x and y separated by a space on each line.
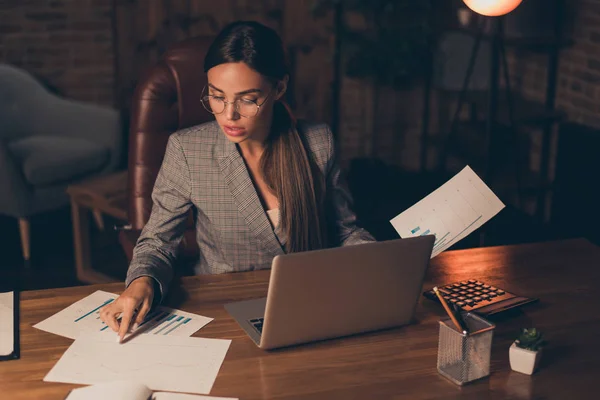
84 316
169 363
451 212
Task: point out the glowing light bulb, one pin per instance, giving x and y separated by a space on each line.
492 8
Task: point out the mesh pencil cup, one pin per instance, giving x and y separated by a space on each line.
465 358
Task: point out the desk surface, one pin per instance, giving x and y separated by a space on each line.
398 363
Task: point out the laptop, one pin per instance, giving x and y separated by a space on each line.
325 294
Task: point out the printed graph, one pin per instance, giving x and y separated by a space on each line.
451 212
83 316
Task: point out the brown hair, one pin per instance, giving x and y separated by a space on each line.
297 182
288 169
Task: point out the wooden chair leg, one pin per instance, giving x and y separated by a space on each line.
81 240
98 218
24 230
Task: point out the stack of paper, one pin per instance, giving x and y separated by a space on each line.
159 355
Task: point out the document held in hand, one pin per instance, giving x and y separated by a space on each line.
451 212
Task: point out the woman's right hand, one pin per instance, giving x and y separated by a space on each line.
134 302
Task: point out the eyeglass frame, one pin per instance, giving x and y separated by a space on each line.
235 106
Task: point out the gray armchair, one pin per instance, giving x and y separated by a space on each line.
46 143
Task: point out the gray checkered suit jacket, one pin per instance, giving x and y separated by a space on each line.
203 169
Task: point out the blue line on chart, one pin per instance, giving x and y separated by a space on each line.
171 318
95 309
148 318
156 322
118 319
415 230
185 321
426 232
468 226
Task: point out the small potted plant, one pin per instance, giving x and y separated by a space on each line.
525 352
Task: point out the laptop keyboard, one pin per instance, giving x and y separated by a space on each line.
257 323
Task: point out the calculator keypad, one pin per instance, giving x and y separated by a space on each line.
472 294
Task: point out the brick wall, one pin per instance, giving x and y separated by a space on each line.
65 43
68 44
578 91
382 123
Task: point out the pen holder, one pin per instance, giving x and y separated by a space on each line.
465 358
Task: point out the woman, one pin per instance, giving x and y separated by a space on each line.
260 183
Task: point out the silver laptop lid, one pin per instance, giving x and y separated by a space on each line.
336 292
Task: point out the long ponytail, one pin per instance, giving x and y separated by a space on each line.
297 182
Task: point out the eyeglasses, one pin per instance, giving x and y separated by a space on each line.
244 107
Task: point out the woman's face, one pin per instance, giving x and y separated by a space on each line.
237 82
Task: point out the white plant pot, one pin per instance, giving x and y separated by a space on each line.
522 360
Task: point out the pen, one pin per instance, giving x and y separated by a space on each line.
458 313
448 311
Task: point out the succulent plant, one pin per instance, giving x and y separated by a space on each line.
530 339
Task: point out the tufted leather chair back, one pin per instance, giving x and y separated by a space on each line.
166 99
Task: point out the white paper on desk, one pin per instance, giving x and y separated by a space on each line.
84 316
117 390
184 396
169 363
7 324
451 212
129 390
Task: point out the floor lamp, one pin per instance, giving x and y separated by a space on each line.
495 9
490 8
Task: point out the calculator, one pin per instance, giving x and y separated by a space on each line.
479 297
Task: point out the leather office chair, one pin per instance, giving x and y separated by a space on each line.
166 99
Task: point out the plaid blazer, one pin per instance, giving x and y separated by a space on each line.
204 170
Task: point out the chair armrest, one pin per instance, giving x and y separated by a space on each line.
15 194
99 124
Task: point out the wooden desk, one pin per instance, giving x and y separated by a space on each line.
398 363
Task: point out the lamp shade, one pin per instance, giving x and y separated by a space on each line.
492 8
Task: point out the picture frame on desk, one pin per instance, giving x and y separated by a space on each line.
15 354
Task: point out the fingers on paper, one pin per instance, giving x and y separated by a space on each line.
129 308
109 315
143 310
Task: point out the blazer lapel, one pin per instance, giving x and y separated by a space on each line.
236 176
